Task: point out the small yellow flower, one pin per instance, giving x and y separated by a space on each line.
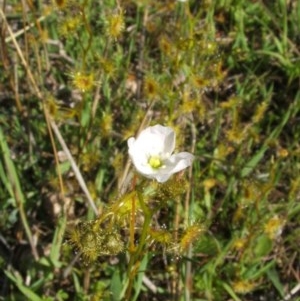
108 66
83 82
273 228
239 244
235 135
282 153
151 87
209 183
115 25
188 106
243 286
69 25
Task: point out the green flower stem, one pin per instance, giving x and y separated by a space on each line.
132 225
148 216
136 256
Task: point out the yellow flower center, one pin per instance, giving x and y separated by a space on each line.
155 162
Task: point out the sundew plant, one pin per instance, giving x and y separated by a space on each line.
149 150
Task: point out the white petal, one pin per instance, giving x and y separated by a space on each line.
169 143
157 140
148 142
144 169
178 162
175 164
130 142
161 178
167 136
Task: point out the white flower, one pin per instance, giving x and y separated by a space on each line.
151 153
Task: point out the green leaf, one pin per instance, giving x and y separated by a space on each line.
116 285
57 242
273 276
230 291
139 282
11 182
263 270
26 291
253 162
263 246
64 167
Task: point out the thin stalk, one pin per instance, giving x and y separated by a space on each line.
135 258
188 216
132 225
74 167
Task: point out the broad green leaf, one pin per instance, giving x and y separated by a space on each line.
116 286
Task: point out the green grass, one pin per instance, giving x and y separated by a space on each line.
78 80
